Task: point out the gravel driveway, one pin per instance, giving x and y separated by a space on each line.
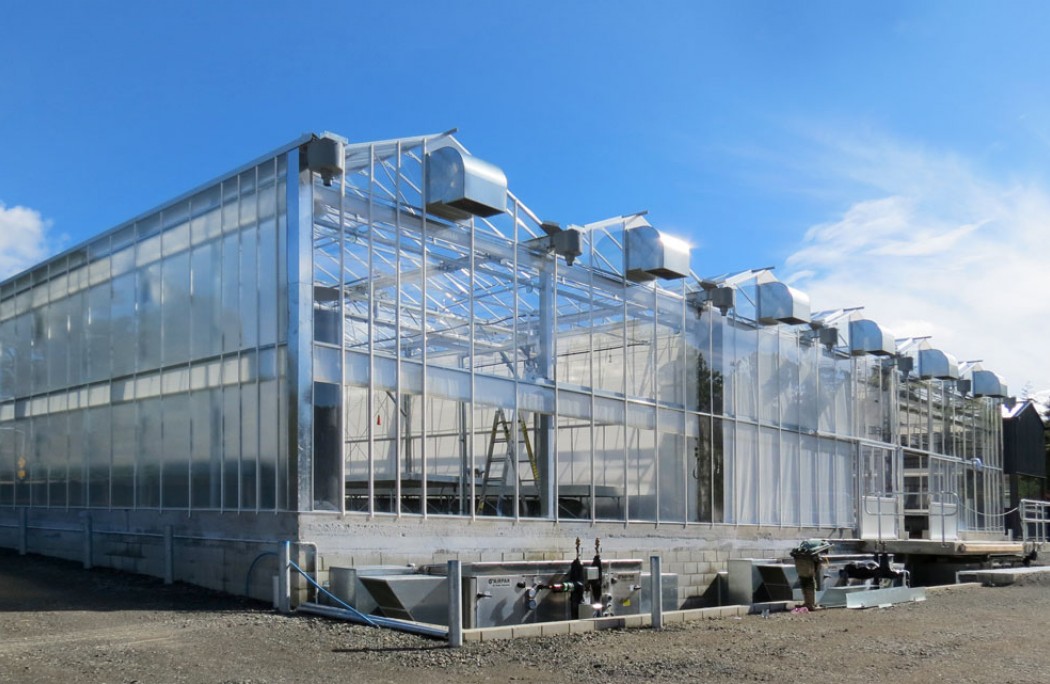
64 624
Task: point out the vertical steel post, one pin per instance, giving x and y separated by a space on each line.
284 578
169 555
657 594
455 604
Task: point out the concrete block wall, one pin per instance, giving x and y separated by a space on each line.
217 550
211 550
695 553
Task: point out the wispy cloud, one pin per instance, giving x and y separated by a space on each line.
24 239
932 246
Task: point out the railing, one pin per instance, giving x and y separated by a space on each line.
942 506
1035 520
879 497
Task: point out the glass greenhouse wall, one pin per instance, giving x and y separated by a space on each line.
304 338
143 370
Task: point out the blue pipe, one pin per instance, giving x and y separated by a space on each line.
248 577
346 606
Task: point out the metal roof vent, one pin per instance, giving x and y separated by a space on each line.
460 186
933 363
649 254
325 156
988 384
778 303
866 337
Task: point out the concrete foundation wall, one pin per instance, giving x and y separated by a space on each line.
236 553
213 550
695 553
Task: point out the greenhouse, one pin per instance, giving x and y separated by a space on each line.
347 342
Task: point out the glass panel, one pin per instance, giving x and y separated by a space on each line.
97 430
124 326
206 470
125 446
74 441
150 289
150 453
175 303
177 448
230 320
770 494
267 287
447 457
327 469
206 314
99 340
248 310
769 375
249 446
672 476
612 486
231 437
269 419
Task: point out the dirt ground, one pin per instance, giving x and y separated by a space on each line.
62 624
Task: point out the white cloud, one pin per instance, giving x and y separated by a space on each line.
936 248
23 239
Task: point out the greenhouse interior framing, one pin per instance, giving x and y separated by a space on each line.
379 352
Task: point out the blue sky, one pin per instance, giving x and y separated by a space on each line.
889 154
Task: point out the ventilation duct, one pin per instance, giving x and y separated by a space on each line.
988 384
649 254
866 337
460 186
933 363
778 303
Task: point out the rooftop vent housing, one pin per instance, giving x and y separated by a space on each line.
988 384
866 337
460 186
778 303
649 254
933 363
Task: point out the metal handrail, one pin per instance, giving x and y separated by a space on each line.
898 498
1037 514
942 504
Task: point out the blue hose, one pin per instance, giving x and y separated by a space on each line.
248 577
346 606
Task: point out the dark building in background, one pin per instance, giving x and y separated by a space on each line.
1024 456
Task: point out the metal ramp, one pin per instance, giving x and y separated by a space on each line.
508 468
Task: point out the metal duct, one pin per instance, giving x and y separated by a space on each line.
933 363
460 186
988 384
778 303
649 254
866 337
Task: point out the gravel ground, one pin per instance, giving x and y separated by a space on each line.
64 624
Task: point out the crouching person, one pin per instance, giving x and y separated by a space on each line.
810 559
